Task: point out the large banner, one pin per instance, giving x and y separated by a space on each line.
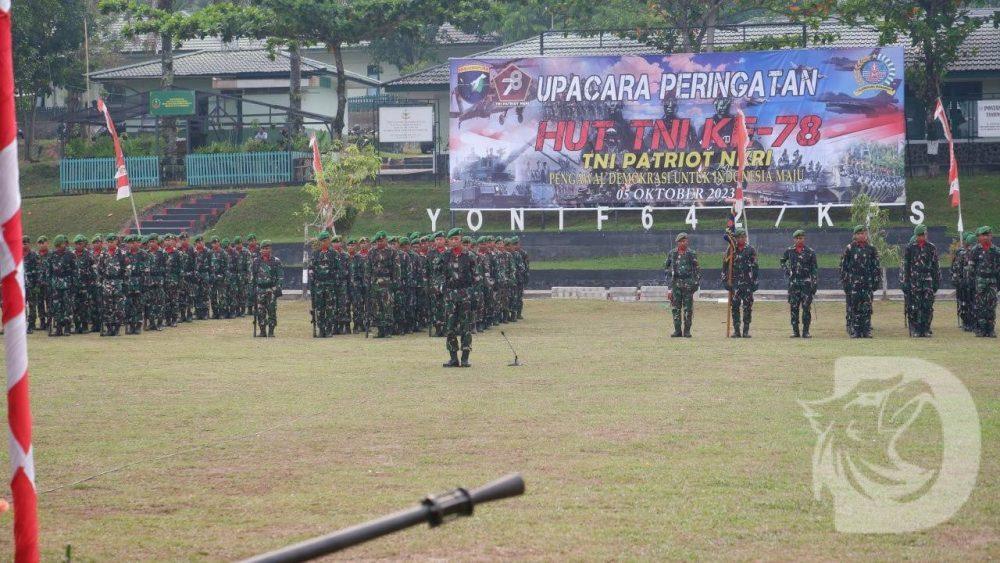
655 130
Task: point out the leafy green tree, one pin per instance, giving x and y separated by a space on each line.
937 28
47 40
347 183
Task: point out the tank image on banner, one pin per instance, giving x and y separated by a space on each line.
657 130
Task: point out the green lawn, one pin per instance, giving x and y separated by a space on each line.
39 178
89 213
633 445
276 213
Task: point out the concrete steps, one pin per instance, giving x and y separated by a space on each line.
194 214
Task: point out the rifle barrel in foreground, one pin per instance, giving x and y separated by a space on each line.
434 510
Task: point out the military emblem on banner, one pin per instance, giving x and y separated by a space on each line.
875 72
473 82
512 85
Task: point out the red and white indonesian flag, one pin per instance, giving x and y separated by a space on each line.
121 173
953 191
22 482
317 162
742 141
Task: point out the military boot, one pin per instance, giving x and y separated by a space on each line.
795 330
805 330
270 331
736 332
687 329
677 329
465 359
453 363
746 330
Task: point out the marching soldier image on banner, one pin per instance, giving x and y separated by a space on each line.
801 268
684 276
920 276
860 276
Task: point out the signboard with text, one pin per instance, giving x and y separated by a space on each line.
988 118
406 124
657 130
171 102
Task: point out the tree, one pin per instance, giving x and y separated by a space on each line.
172 26
47 38
937 28
865 211
348 182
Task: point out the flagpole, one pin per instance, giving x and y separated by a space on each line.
135 215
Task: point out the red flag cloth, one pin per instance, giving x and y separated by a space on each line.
317 163
953 190
121 173
22 482
742 141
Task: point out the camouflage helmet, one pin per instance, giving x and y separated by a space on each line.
60 239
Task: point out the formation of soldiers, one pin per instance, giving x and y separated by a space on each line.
113 282
451 286
975 273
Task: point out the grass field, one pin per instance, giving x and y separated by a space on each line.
276 213
633 445
88 214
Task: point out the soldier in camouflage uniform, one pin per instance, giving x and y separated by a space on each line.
965 293
436 277
412 281
487 283
254 251
240 274
423 282
202 284
32 282
189 279
341 285
743 283
523 274
401 308
360 285
684 276
61 276
113 271
984 270
173 279
96 302
155 295
322 284
136 280
860 276
920 276
86 280
800 267
267 275
219 268
460 278
384 277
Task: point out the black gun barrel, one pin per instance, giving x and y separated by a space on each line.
434 510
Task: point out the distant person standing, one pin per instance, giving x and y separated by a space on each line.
801 269
684 275
965 292
984 269
268 275
739 276
921 276
460 279
860 276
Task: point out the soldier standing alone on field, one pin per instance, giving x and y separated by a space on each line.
267 276
984 270
799 264
860 276
684 276
743 283
460 278
920 277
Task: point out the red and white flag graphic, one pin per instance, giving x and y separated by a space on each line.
121 173
22 482
953 190
742 141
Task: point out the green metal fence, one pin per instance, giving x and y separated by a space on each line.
98 174
241 169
